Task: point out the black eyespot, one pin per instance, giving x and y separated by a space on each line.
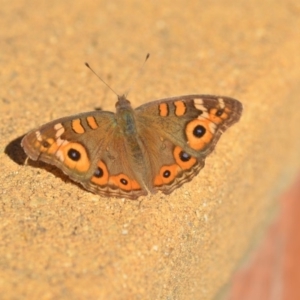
219 112
199 131
45 144
98 173
74 154
167 174
124 181
184 156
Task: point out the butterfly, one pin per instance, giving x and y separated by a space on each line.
158 146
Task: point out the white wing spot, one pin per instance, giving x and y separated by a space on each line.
60 155
205 115
58 126
61 142
199 105
38 136
221 103
59 130
212 127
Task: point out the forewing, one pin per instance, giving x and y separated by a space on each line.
180 132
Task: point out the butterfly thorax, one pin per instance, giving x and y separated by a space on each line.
125 116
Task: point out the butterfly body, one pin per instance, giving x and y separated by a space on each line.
156 147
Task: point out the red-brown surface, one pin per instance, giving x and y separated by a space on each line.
273 272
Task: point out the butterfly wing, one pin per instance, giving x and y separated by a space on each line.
180 132
88 148
173 136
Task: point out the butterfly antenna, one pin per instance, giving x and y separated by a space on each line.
138 74
87 65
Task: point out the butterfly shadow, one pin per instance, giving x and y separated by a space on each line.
16 153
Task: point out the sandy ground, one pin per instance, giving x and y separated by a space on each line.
58 241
